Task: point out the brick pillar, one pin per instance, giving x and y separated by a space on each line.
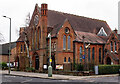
43 27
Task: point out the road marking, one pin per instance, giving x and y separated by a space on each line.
63 80
26 81
10 76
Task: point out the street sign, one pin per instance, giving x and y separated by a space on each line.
83 56
50 60
59 66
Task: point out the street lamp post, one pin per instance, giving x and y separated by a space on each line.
9 43
50 60
84 53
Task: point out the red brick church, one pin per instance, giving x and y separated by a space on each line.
74 40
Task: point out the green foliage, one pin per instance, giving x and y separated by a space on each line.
3 65
79 67
108 69
30 69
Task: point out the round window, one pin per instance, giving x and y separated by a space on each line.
66 30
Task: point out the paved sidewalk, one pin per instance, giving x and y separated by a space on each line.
54 76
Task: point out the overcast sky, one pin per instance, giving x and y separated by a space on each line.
18 9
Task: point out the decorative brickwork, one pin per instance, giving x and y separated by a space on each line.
67 33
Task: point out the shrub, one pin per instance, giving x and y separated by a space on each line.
3 65
30 69
108 69
79 67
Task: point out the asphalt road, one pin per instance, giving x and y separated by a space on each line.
9 79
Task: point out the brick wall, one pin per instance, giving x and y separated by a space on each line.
4 58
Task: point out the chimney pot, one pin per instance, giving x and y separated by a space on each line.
43 9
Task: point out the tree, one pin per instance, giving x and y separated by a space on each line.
27 20
26 40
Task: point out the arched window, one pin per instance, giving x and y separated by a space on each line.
65 59
69 59
69 42
39 36
88 54
111 46
24 47
36 39
33 38
21 47
115 46
80 50
99 55
54 47
64 42
93 52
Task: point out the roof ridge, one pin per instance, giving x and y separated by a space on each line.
77 15
74 15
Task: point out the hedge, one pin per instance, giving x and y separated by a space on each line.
108 69
3 65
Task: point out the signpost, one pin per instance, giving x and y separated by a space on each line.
50 60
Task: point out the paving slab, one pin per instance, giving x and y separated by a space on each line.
54 76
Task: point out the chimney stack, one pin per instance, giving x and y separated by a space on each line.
44 9
21 30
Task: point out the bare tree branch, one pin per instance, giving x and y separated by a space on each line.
26 41
27 20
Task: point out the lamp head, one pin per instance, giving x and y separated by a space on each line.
4 16
49 35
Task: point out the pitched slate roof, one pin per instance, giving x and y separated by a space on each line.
89 38
79 23
113 55
5 48
21 37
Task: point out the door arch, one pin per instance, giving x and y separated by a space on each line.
53 62
108 61
17 62
36 61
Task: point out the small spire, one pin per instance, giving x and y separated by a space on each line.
36 4
116 31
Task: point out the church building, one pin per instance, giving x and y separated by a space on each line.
74 40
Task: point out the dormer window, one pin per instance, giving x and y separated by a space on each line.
102 32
